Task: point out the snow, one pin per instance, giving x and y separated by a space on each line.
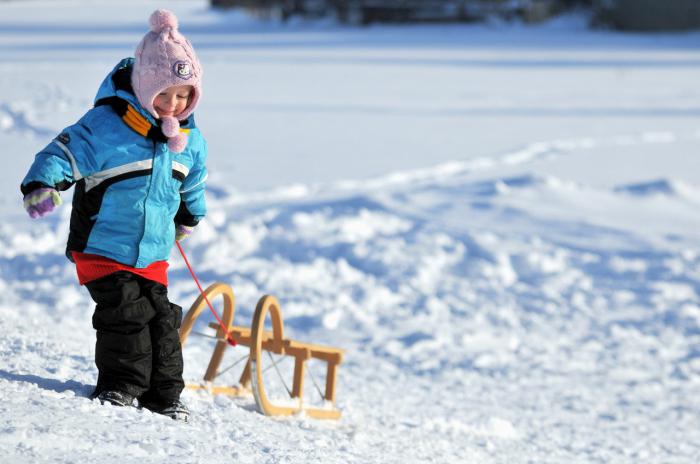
497 223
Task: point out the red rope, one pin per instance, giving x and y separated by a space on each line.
229 337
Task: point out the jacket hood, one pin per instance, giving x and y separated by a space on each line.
118 84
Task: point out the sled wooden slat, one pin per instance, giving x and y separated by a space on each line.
325 353
219 389
240 334
258 340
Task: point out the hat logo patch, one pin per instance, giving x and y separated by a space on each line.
182 69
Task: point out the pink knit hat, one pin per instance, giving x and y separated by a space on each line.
163 59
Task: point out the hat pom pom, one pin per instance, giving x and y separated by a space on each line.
170 126
177 143
162 19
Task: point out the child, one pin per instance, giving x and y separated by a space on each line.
137 162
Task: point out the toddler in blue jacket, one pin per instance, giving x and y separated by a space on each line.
137 161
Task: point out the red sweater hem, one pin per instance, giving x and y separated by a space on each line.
92 267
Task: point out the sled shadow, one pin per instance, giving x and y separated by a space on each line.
59 386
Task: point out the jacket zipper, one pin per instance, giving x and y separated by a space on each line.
145 201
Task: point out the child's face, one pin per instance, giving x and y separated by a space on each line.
173 100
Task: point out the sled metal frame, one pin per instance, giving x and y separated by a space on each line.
259 340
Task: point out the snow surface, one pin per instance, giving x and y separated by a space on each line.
498 223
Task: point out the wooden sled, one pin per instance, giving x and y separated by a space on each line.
259 340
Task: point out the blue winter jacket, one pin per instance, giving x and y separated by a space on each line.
130 189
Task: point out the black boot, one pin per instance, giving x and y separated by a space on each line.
175 410
115 398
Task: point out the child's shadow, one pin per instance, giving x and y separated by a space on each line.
80 389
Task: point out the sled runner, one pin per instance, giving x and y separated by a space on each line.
262 344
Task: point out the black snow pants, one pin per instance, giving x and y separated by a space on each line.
138 349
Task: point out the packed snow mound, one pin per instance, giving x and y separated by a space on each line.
459 311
